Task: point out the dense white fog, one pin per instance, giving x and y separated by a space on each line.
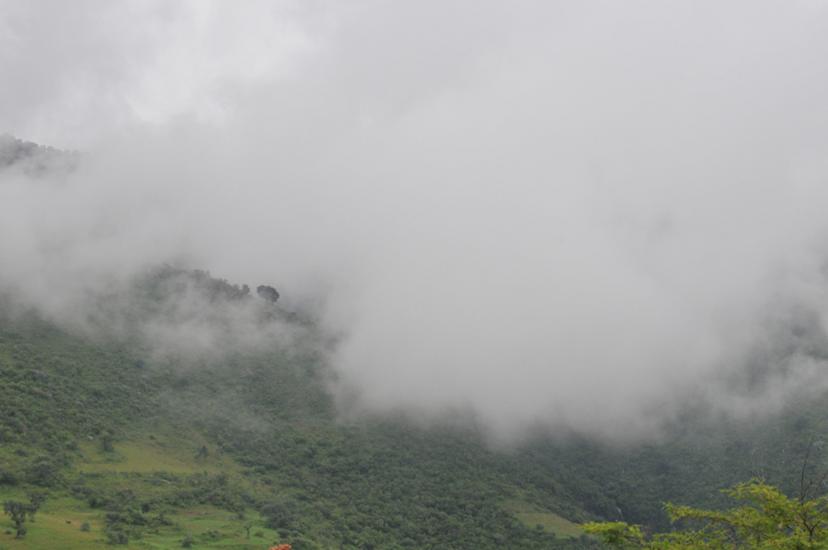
580 214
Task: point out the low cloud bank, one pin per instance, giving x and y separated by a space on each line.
581 215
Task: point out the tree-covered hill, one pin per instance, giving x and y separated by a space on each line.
136 435
238 447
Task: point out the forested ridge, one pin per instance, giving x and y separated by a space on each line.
119 444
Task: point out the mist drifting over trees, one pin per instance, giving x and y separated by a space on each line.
584 215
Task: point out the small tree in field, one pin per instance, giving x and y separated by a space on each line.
17 511
36 500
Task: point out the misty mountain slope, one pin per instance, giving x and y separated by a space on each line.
690 464
142 441
185 401
541 263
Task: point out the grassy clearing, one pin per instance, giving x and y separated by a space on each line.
56 525
211 527
147 455
130 467
550 522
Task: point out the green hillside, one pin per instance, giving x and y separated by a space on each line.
243 449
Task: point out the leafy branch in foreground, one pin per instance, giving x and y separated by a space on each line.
768 520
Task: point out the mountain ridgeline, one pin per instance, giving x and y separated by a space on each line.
185 411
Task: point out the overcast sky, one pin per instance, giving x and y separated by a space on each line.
580 213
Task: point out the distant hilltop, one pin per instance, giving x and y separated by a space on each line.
33 159
164 280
